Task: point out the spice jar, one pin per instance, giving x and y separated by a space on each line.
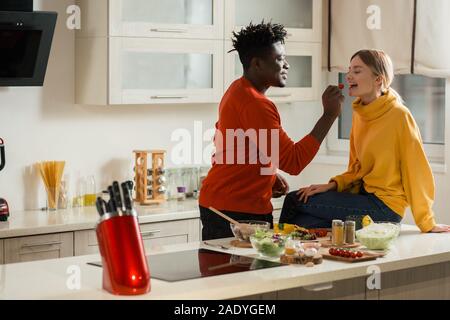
350 232
337 233
181 193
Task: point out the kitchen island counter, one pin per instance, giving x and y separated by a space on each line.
411 251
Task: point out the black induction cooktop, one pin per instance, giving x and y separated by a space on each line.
199 263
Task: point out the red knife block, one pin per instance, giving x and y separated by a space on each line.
125 268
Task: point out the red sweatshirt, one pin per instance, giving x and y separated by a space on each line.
237 180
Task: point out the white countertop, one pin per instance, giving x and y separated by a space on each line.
26 223
47 279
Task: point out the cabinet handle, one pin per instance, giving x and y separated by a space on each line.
41 245
168 30
168 97
149 233
319 287
280 95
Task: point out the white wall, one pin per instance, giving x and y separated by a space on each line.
44 124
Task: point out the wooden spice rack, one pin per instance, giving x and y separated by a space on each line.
149 180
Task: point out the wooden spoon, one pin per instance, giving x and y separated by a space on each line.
245 228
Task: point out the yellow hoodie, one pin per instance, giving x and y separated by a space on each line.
387 156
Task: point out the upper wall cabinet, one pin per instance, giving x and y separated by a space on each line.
189 19
302 18
201 19
172 51
146 70
122 70
304 72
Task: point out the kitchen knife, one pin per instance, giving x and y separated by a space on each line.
100 206
130 184
117 196
127 196
112 203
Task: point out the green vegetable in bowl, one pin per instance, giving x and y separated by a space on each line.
267 243
300 235
378 236
261 234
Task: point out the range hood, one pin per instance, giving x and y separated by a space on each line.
25 42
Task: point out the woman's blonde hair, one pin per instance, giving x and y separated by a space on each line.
381 65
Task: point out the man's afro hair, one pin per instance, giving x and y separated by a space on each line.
255 40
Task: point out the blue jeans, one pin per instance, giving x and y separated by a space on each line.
322 208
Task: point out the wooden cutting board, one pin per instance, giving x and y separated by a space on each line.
241 244
326 243
366 257
300 259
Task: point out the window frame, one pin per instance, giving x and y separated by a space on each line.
341 147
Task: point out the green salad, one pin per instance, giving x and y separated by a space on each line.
378 236
267 243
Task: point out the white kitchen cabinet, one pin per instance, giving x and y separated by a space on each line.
301 18
200 19
304 73
153 235
85 242
40 247
1 252
172 52
351 289
148 71
189 19
165 71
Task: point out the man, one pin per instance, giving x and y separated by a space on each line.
243 177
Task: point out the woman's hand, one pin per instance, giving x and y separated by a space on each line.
280 187
304 193
440 228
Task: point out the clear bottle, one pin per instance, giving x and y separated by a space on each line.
203 172
91 193
63 200
65 196
172 192
80 191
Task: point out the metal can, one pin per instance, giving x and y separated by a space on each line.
350 231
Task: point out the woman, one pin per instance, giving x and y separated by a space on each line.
388 169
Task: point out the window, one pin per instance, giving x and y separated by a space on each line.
425 98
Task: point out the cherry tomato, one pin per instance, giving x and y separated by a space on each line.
353 255
359 254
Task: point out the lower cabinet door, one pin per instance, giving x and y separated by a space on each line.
153 235
1 252
351 289
426 282
42 247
